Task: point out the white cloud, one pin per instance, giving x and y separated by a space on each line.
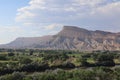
10 29
91 3
9 33
108 15
53 26
110 10
80 12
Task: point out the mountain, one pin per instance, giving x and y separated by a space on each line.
70 38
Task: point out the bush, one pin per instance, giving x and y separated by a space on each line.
13 76
25 60
11 54
68 65
2 57
105 60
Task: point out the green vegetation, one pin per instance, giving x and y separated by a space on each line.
25 64
99 73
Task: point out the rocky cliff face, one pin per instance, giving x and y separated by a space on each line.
71 38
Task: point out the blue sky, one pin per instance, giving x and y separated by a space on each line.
30 18
9 9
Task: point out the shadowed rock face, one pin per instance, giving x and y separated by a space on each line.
71 38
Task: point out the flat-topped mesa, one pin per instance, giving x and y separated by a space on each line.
73 31
70 38
74 28
103 32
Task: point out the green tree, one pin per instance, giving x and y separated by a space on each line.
11 54
83 61
105 60
25 60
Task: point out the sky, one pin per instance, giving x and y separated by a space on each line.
34 18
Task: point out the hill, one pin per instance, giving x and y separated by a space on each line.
70 38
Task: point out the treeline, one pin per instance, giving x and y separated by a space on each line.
98 73
14 62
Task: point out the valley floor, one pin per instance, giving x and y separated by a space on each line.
28 64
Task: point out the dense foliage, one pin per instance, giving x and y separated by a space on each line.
99 73
25 64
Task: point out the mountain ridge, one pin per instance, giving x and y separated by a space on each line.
70 38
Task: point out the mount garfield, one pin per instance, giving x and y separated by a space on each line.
70 38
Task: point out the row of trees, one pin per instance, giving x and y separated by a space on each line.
99 73
49 60
25 64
